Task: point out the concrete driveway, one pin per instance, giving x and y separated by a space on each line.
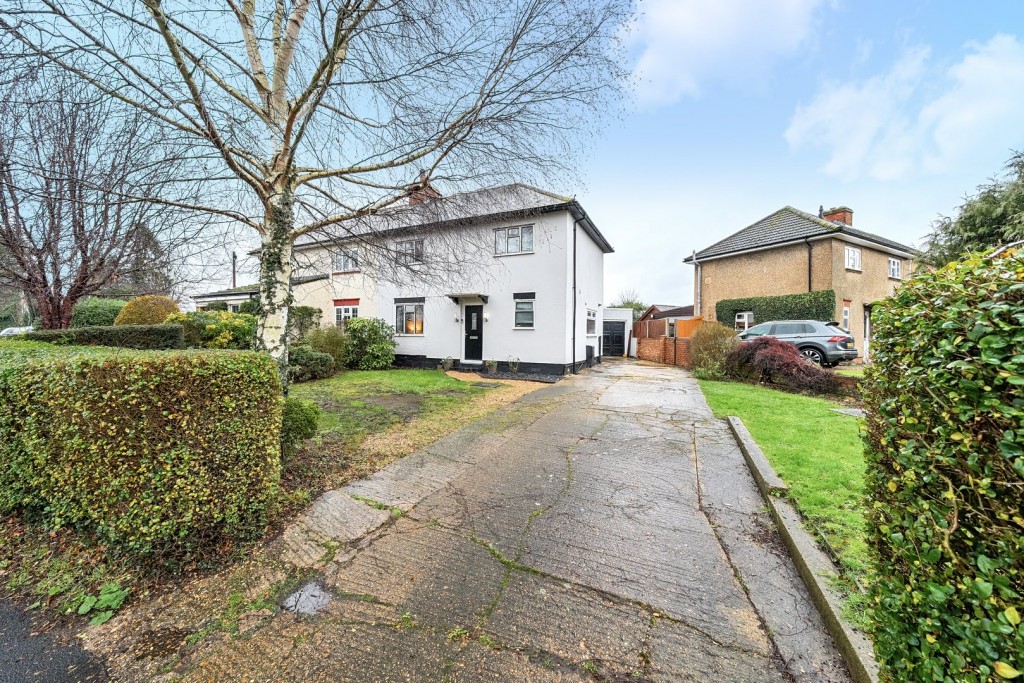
603 528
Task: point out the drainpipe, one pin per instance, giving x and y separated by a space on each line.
575 323
807 241
696 266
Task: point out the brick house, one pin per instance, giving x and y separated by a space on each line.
791 252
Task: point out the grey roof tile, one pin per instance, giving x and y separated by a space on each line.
788 225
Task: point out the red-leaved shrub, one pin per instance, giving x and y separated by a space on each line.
769 360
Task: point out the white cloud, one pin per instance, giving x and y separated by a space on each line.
684 43
918 117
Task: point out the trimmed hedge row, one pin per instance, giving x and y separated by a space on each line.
808 306
95 312
123 336
153 452
216 329
945 452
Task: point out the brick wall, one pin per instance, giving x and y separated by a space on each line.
667 350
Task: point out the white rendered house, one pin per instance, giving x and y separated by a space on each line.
506 274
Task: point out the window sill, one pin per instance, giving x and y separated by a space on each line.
896 279
854 270
524 328
398 334
513 253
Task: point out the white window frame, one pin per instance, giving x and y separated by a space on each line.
401 311
532 310
409 251
846 316
343 313
591 322
895 268
346 260
503 240
233 308
744 318
853 261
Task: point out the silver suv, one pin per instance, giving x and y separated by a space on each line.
826 344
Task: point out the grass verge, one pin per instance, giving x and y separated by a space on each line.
819 454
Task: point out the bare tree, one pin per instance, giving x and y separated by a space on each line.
80 178
630 298
325 112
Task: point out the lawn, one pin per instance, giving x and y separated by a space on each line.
818 453
371 418
851 370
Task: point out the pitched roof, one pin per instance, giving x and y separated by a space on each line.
789 225
488 204
255 287
677 312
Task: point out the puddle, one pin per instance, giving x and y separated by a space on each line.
308 600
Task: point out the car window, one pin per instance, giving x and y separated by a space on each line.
758 330
835 329
783 329
806 328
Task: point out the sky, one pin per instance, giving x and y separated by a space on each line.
897 109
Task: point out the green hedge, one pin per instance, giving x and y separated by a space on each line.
124 336
305 364
808 306
94 312
945 480
152 452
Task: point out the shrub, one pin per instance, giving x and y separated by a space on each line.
710 345
945 452
250 307
807 306
329 340
772 361
370 344
305 364
303 319
146 310
124 336
216 306
298 423
152 452
216 329
96 312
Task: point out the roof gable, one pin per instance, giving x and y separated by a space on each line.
789 225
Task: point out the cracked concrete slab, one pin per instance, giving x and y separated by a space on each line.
602 528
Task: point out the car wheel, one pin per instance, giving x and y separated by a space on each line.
813 355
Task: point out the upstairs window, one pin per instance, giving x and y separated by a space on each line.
346 260
591 321
410 251
744 319
852 258
895 268
518 240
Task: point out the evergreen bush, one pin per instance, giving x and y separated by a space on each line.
369 344
298 423
154 453
945 479
329 340
305 364
150 309
216 329
123 336
96 312
710 345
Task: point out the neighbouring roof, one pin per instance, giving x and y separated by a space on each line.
505 202
255 288
677 312
656 309
790 225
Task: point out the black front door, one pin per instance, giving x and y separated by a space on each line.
614 338
474 332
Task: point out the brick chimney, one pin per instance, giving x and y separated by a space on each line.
421 191
843 214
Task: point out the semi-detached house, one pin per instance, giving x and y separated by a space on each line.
505 274
791 252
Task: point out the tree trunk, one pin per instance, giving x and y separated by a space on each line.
275 281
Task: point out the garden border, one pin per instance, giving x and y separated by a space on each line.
812 563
